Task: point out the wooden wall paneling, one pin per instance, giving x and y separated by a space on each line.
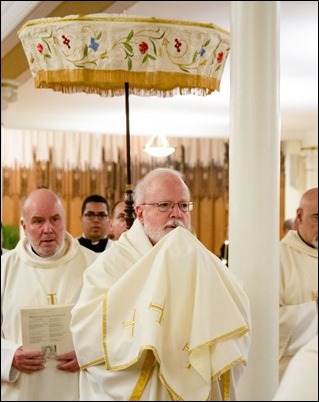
204 181
32 181
220 224
73 210
25 182
57 182
93 182
15 177
67 183
84 183
208 186
11 209
195 217
66 206
42 176
7 182
110 182
206 222
76 179
189 175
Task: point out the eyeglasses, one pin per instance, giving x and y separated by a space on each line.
100 215
166 206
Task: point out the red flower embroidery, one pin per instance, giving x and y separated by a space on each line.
220 57
178 45
40 48
143 46
66 41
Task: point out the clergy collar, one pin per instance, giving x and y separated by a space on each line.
308 244
94 242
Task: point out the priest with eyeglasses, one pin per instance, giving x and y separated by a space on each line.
95 222
159 316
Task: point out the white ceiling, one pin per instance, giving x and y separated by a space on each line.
185 115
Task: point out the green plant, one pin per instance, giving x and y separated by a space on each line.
11 236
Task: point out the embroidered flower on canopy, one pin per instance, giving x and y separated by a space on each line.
66 41
202 52
220 57
94 45
143 47
40 48
178 45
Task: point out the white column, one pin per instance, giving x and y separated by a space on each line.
254 183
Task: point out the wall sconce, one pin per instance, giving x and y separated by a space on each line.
158 146
9 92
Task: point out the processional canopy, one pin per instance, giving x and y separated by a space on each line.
116 54
98 53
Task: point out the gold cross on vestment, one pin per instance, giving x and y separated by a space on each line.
159 309
187 350
52 298
130 323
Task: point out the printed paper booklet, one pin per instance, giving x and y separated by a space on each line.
47 328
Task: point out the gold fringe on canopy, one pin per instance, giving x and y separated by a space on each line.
110 83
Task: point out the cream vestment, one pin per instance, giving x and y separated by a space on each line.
168 322
300 380
27 280
298 311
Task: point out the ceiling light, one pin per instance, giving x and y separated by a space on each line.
158 146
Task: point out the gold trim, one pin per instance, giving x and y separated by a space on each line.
92 363
147 370
226 385
104 330
106 82
118 18
219 373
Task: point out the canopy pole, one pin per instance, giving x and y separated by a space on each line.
129 201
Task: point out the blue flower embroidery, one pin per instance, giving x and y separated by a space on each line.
202 52
94 45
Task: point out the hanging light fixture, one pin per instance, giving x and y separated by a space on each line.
158 146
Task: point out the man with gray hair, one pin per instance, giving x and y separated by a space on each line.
160 317
46 267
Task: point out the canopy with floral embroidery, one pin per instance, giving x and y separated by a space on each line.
115 54
97 53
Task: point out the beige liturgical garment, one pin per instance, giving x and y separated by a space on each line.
29 280
298 312
171 326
